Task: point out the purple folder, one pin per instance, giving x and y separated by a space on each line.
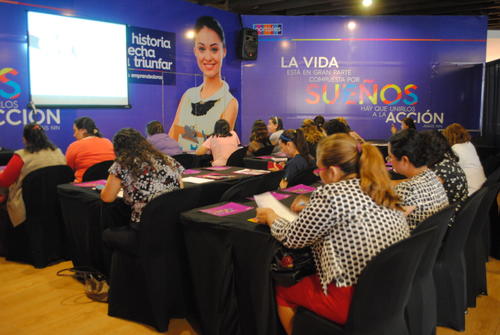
228 209
190 171
300 189
217 168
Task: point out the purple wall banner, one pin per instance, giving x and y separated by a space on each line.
372 70
150 56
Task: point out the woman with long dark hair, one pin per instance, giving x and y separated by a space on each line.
38 152
89 148
222 143
347 222
143 172
294 145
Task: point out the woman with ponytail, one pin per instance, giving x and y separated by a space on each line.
38 152
348 221
89 148
293 144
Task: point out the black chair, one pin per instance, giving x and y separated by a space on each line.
245 188
97 171
449 270
188 161
421 309
236 158
271 181
382 291
491 231
267 150
149 283
40 240
5 156
476 247
306 177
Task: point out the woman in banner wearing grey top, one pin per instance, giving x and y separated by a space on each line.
201 106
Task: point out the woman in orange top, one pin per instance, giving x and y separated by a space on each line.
89 148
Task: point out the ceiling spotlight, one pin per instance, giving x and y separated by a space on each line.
367 3
189 34
351 25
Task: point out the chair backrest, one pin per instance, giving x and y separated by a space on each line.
384 285
457 234
483 212
271 181
267 150
440 220
97 171
245 188
494 177
306 177
44 225
188 161
236 158
491 164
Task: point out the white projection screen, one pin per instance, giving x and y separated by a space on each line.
76 62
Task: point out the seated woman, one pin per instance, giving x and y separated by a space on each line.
312 135
222 143
444 163
406 123
351 132
422 194
275 129
89 148
356 199
144 173
459 139
160 140
293 144
319 121
259 139
38 152
334 126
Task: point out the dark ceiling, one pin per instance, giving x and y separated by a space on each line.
354 7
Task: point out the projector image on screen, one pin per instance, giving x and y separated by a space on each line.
76 62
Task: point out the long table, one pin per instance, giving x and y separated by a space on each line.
86 216
230 260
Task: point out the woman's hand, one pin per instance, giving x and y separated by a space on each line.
283 183
299 203
266 215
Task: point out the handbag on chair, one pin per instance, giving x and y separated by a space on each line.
289 266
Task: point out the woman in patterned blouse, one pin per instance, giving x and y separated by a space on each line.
422 194
444 163
143 172
346 222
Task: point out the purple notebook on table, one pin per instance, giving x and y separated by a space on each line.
214 175
92 183
191 171
300 189
228 209
265 157
217 168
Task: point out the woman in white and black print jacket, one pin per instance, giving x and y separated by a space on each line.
346 222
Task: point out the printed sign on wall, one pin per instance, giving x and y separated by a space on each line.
151 56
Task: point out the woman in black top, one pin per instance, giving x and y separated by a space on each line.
293 143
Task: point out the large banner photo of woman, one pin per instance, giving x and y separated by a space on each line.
200 107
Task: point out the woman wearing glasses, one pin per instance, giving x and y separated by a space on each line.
348 221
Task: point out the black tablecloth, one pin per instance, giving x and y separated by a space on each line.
230 261
86 216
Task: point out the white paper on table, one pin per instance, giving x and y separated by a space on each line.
266 200
196 180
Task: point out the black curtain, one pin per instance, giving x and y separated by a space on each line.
491 111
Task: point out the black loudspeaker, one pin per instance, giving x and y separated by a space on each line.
248 44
